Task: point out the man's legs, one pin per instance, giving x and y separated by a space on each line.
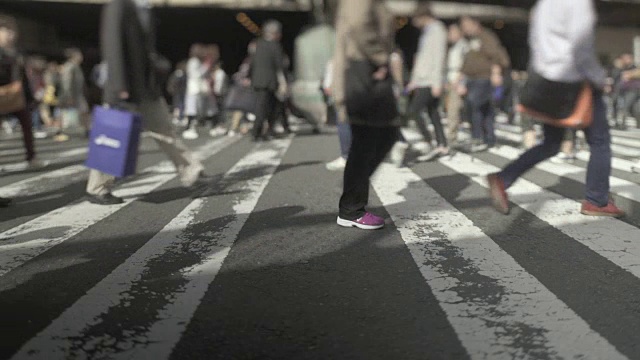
27 133
454 106
418 104
479 98
433 105
99 183
599 167
262 112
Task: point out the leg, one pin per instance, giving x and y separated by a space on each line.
262 104
434 113
417 105
355 195
385 138
344 134
488 124
156 118
550 147
99 183
599 168
27 133
454 107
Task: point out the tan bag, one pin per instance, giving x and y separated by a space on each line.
12 98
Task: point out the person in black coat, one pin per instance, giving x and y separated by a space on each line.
135 73
267 71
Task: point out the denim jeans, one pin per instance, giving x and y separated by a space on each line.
344 134
599 167
479 94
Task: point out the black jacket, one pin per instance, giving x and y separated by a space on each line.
129 50
266 63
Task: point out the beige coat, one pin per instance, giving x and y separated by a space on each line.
364 30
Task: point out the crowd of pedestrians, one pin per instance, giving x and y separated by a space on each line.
461 74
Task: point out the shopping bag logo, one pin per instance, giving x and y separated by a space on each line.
104 140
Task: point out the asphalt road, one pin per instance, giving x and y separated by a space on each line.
250 264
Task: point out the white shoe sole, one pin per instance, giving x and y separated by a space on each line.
352 224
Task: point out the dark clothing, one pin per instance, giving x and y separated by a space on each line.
24 116
265 110
129 50
423 100
599 167
482 114
11 69
369 146
266 63
344 135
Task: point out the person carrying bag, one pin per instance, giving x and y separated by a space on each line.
564 90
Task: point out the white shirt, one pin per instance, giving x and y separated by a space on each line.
455 59
562 38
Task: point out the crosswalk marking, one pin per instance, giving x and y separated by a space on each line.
24 242
44 182
514 316
620 187
64 337
621 246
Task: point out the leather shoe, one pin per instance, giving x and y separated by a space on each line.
106 199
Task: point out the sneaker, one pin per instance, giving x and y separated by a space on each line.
337 164
61 138
476 148
191 175
434 154
106 199
610 210
231 133
422 146
190 134
398 153
215 132
40 134
367 222
36 164
562 158
498 194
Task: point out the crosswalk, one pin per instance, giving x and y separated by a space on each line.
250 264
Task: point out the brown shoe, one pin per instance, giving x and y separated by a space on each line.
610 210
498 194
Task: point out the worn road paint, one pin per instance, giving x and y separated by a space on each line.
498 309
71 335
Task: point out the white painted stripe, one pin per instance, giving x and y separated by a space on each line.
513 315
24 242
620 187
621 246
39 183
60 340
56 158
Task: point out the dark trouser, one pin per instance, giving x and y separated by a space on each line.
599 168
369 146
631 98
423 100
26 123
344 134
265 110
482 115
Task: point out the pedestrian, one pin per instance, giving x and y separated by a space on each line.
49 109
127 44
427 77
343 127
365 33
485 60
267 72
177 89
16 97
561 39
220 89
241 98
195 72
72 99
459 46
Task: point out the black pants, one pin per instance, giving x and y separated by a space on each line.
369 146
265 110
423 100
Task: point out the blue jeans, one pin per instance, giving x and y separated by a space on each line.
599 168
344 133
479 96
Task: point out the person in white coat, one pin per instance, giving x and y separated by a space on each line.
195 71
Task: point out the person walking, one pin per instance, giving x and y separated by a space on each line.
562 46
195 72
16 96
267 72
459 46
427 77
127 44
72 99
364 36
485 60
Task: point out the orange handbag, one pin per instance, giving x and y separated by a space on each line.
580 118
12 98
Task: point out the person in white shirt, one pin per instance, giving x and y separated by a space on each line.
562 50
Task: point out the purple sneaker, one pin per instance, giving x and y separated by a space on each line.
367 222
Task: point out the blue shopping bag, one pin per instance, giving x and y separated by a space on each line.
113 143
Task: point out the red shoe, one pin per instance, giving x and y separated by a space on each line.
610 210
498 194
